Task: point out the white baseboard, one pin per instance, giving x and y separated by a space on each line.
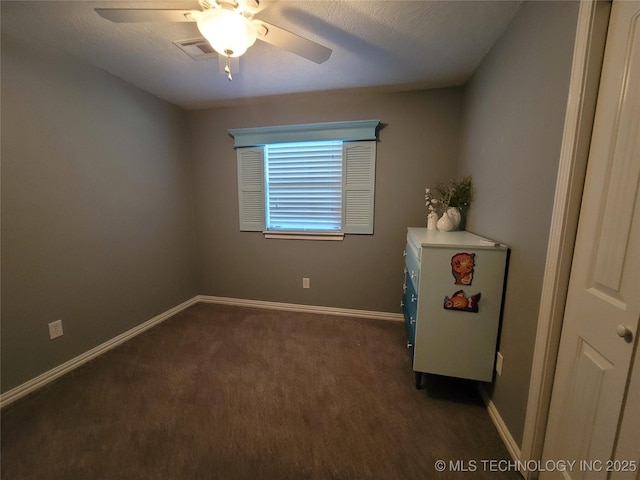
294 307
503 431
49 376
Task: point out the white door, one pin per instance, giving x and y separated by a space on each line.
628 442
603 302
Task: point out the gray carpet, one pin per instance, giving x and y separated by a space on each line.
222 392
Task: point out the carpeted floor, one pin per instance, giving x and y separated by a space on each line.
222 392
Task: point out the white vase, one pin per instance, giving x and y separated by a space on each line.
445 224
432 221
455 216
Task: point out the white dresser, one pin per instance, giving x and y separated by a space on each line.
452 302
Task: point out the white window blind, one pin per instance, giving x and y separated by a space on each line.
304 186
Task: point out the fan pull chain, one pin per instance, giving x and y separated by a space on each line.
227 67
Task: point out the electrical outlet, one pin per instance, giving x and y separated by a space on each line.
55 329
499 360
305 283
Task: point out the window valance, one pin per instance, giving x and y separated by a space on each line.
345 131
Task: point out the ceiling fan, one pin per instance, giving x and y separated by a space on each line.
228 25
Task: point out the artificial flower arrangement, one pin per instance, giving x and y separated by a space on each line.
445 196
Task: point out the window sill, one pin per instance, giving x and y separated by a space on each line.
304 236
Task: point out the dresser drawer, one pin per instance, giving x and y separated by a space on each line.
411 301
413 266
410 310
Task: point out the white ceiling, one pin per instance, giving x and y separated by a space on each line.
398 44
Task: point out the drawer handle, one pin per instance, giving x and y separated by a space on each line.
404 254
412 320
413 274
401 304
404 287
409 345
404 270
413 297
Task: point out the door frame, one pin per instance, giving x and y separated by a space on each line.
593 19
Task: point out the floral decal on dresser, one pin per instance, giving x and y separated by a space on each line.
458 301
462 266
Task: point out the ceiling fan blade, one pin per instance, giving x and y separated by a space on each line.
132 15
255 7
304 47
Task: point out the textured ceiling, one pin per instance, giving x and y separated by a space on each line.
397 44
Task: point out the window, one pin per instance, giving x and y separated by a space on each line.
303 186
310 180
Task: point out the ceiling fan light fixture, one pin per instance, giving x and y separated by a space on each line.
228 32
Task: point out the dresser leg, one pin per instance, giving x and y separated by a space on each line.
418 380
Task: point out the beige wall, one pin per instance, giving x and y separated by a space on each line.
97 216
418 145
512 131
